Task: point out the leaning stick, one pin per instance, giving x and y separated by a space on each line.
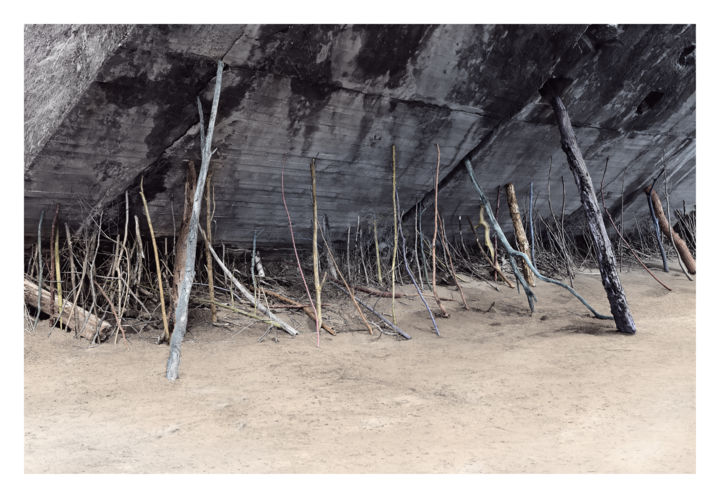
245 292
662 224
157 263
487 233
316 256
40 267
417 259
522 241
620 235
378 293
378 315
495 239
377 252
73 279
57 274
208 259
493 263
409 272
532 228
434 240
112 308
292 238
308 311
443 240
672 239
347 286
395 235
588 198
512 252
52 258
656 225
183 300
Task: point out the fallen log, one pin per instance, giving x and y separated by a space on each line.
73 316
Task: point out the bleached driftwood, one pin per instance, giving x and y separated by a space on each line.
181 306
73 316
245 292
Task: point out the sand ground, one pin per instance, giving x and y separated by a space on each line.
500 391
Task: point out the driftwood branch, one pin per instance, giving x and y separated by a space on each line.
74 316
664 225
377 314
512 252
409 272
245 292
308 311
181 308
522 240
603 248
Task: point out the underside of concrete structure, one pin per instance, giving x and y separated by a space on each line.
108 105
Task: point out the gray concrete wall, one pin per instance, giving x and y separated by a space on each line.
344 94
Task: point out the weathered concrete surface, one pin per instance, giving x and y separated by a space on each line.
345 94
60 62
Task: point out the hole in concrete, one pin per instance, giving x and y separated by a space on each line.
650 101
687 57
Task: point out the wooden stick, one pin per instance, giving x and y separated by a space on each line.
520 237
495 239
664 225
409 272
58 277
181 309
532 228
208 259
622 238
378 293
493 263
378 315
316 256
672 239
307 309
443 240
417 259
443 312
292 238
512 252
347 286
158 271
112 308
656 225
52 258
73 279
485 225
395 236
377 252
40 271
245 292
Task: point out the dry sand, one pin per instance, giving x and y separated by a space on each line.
500 391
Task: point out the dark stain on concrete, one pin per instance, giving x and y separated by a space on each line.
513 67
389 50
174 93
